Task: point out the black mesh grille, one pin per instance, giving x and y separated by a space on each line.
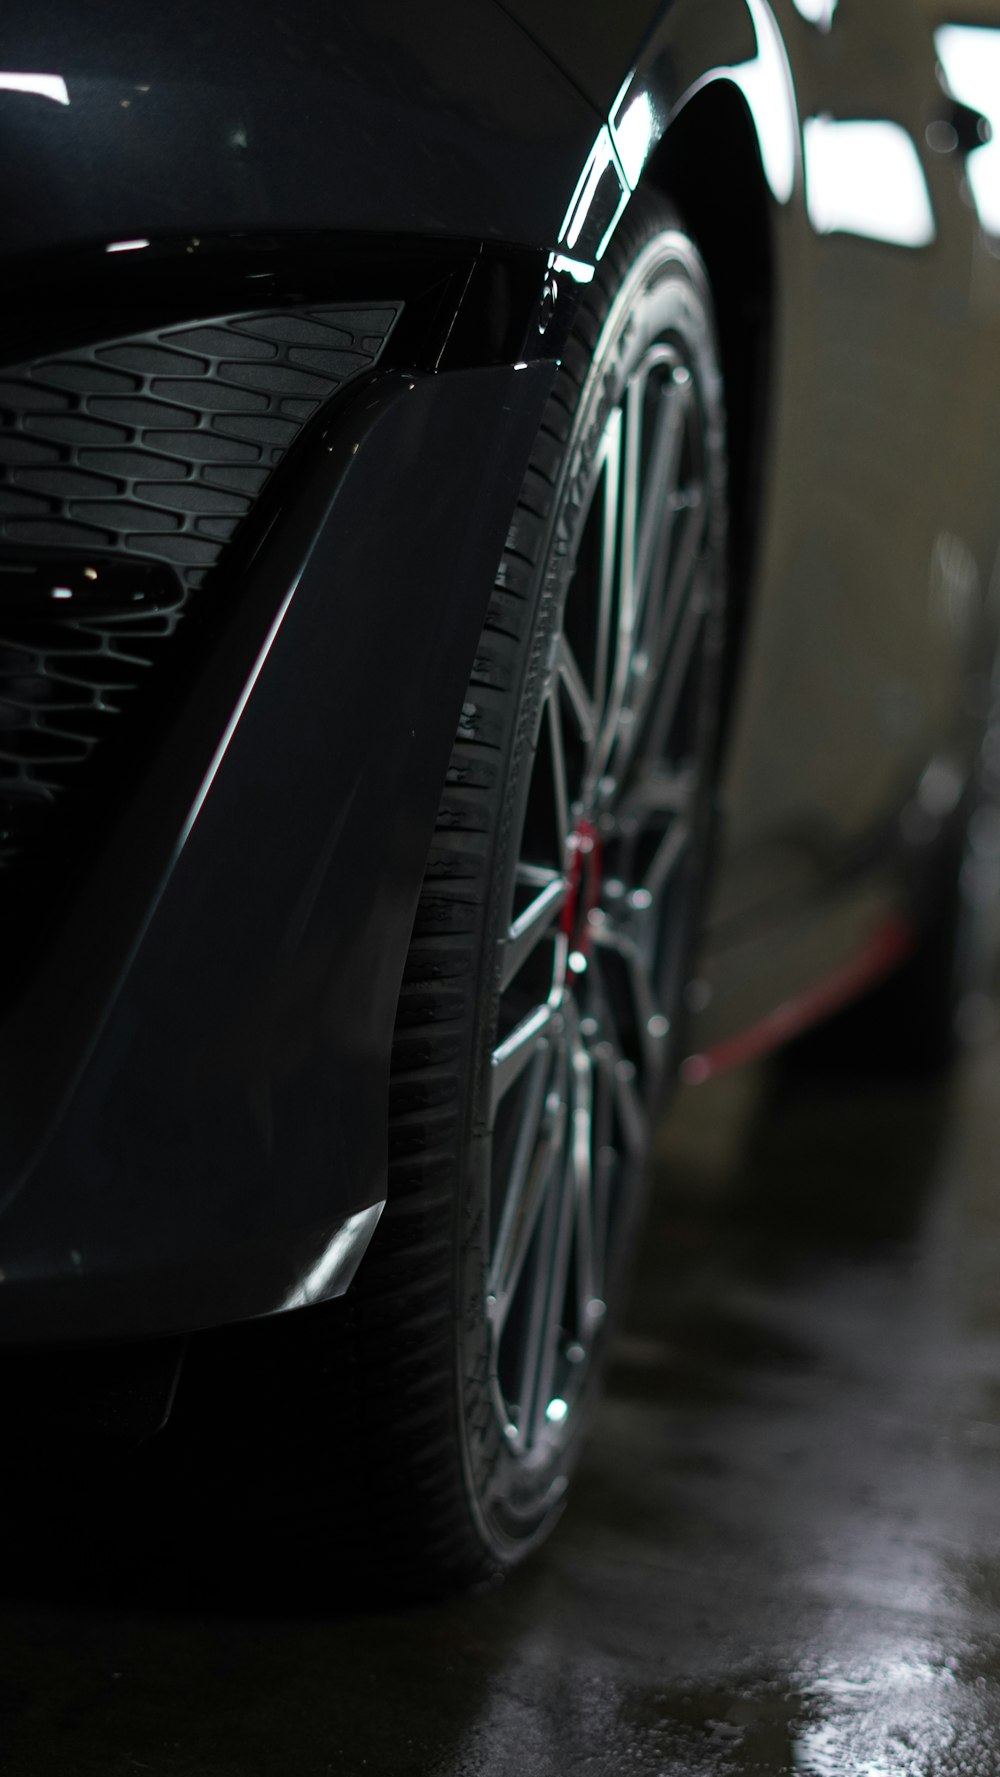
75 646
145 450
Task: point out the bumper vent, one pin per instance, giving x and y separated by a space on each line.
75 643
126 468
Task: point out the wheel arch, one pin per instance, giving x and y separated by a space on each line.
708 165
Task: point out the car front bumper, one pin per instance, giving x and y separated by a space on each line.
195 1078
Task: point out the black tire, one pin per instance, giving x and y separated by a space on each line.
410 1464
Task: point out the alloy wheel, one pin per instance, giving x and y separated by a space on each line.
591 960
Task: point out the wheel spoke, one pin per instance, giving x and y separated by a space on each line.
552 1321
531 926
649 507
538 1143
549 1271
657 515
581 1140
682 571
560 788
649 1026
512 1056
630 1109
622 1072
576 691
535 875
666 858
610 460
635 396
644 1010
685 605
617 624
604 1167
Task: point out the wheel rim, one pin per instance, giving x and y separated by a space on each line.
589 972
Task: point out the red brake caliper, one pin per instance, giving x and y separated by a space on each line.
585 870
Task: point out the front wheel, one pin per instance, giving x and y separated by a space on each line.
421 1432
538 1017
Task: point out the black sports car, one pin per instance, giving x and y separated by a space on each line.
498 522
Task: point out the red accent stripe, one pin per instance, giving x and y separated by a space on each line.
889 945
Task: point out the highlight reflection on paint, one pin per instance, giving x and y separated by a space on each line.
866 178
818 12
634 136
766 84
339 1260
970 57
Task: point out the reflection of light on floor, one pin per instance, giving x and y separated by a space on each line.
892 1719
820 1752
866 178
970 57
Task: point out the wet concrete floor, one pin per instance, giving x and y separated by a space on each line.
783 1553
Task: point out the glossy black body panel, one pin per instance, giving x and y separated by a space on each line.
439 119
232 1107
595 45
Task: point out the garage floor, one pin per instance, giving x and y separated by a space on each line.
783 1555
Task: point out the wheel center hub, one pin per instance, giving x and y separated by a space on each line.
584 872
